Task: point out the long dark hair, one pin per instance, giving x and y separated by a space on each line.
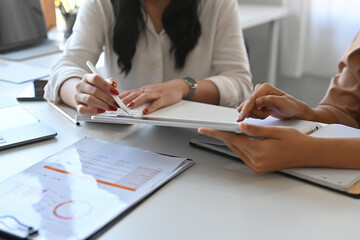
180 20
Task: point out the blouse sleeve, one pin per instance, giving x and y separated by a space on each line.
230 61
343 96
85 43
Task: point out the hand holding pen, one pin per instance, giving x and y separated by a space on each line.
94 94
115 96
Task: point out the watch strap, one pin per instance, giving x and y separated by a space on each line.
193 85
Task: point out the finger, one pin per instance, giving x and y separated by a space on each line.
138 98
129 92
221 135
251 99
271 101
155 105
113 82
101 83
246 107
93 102
92 90
130 97
240 107
260 90
257 131
243 146
238 144
239 152
260 114
84 110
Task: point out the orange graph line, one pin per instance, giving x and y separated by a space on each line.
97 180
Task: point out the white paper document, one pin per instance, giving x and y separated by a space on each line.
76 192
19 72
340 179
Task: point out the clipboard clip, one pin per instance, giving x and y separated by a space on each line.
28 231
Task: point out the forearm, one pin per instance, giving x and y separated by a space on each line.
335 153
67 91
314 114
206 92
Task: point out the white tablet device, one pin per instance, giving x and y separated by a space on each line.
185 114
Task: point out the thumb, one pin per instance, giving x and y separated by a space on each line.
261 131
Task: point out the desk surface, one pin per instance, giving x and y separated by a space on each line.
218 198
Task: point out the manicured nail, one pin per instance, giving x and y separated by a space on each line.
114 91
112 108
101 110
131 104
113 84
146 111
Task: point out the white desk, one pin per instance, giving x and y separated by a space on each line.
218 198
252 15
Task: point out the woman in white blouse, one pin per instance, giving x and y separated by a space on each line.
149 47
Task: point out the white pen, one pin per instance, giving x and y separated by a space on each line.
116 98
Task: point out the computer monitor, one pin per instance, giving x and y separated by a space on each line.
22 24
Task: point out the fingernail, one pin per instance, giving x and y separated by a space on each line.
112 108
101 110
145 111
114 91
131 104
201 131
113 84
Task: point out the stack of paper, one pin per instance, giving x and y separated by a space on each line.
19 72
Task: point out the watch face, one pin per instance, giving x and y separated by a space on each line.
191 82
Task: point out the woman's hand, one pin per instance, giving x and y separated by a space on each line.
93 95
267 100
158 95
270 149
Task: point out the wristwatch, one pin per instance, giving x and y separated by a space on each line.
193 85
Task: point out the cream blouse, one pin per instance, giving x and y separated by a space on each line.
219 56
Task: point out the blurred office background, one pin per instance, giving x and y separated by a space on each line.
313 37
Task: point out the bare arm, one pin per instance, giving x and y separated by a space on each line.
267 100
282 147
67 91
167 93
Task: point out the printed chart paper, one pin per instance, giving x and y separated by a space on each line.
77 191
